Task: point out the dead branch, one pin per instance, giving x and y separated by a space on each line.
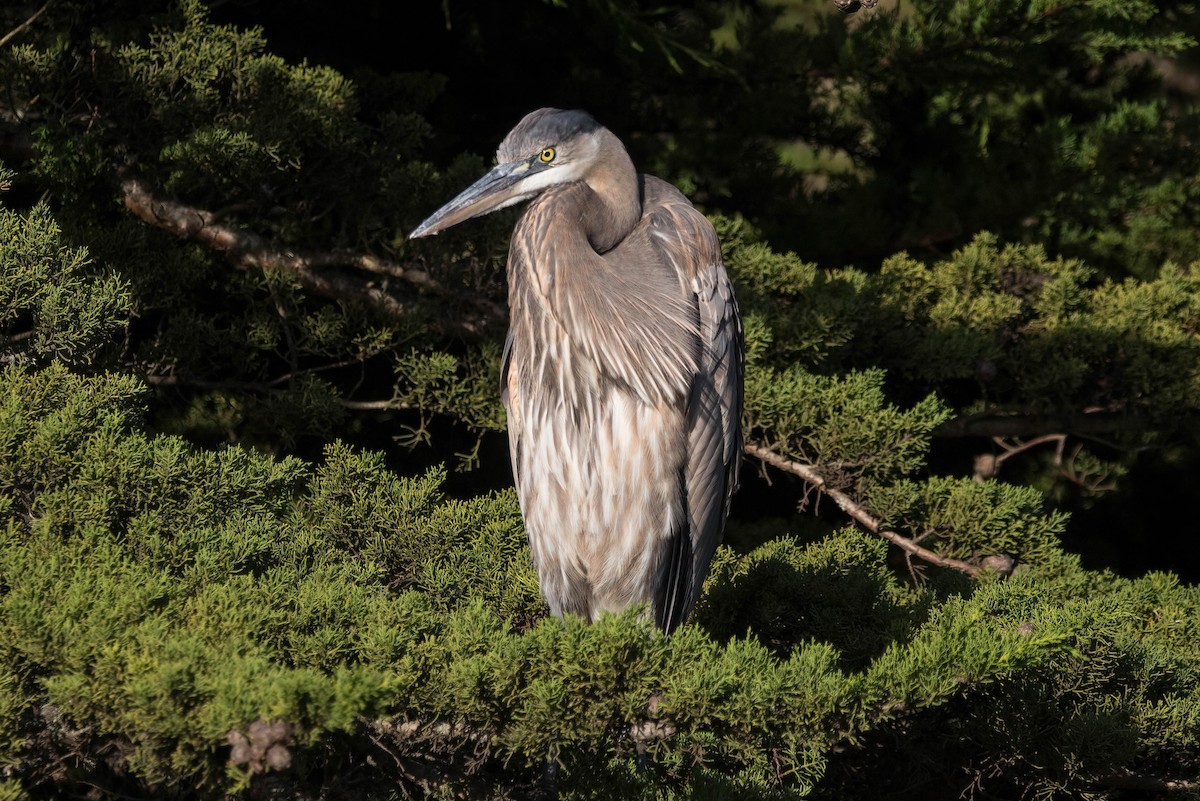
1000 563
173 379
316 272
15 32
987 465
377 406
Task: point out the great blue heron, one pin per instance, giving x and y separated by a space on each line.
622 372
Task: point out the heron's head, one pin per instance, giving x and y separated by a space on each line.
548 148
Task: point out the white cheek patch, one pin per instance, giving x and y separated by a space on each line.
551 176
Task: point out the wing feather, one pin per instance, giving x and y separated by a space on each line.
509 381
689 243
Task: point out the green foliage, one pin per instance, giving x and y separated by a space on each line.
927 126
959 313
1008 324
838 590
1031 327
282 150
265 116
440 383
971 517
55 304
186 592
166 595
844 422
1001 331
418 538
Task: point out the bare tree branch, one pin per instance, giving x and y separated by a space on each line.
172 379
15 32
317 273
1000 563
377 406
987 465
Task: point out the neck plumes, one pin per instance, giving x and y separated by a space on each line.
567 228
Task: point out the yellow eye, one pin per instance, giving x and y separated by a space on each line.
547 155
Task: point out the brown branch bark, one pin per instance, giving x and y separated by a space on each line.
15 32
1000 563
316 272
377 406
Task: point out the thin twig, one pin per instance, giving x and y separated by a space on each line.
866 519
21 336
172 379
286 377
376 406
988 465
1011 450
15 32
175 380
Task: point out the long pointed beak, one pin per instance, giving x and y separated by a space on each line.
499 188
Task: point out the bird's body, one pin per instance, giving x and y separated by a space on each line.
622 372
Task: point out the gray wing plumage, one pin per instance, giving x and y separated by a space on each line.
688 242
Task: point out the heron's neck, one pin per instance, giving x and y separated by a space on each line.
614 205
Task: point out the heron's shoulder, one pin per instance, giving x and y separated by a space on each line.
657 192
678 226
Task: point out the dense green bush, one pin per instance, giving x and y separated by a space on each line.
158 599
